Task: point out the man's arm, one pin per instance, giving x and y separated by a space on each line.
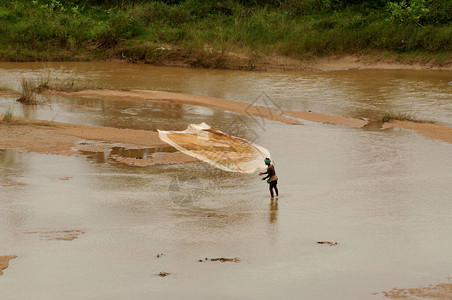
263 173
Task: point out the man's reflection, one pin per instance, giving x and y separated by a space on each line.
273 210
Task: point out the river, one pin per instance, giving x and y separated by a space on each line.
86 229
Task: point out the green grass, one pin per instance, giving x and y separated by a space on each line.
204 33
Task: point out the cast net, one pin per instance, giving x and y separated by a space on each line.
216 148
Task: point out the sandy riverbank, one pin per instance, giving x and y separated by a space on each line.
279 63
345 62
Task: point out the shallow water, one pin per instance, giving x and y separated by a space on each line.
384 196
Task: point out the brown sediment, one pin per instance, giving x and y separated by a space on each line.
4 262
57 235
427 130
11 183
439 291
269 113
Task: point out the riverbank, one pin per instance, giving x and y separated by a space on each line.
283 35
278 63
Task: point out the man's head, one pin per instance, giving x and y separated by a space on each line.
267 161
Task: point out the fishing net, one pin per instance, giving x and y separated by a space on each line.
229 153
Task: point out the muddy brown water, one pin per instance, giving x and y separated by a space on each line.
383 195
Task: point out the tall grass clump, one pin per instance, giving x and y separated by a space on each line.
28 95
8 117
402 116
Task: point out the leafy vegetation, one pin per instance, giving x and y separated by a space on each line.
206 32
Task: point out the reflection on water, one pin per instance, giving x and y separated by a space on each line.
384 196
273 210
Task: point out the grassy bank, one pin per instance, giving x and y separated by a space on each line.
221 33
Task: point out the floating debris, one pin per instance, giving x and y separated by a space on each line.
328 243
223 259
164 274
159 255
65 178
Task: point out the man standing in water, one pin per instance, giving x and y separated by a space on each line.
271 175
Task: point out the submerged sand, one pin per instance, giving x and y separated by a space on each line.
431 131
268 113
4 262
427 130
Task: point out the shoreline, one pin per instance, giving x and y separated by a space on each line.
277 63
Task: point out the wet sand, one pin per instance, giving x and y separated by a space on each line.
4 262
439 291
64 139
